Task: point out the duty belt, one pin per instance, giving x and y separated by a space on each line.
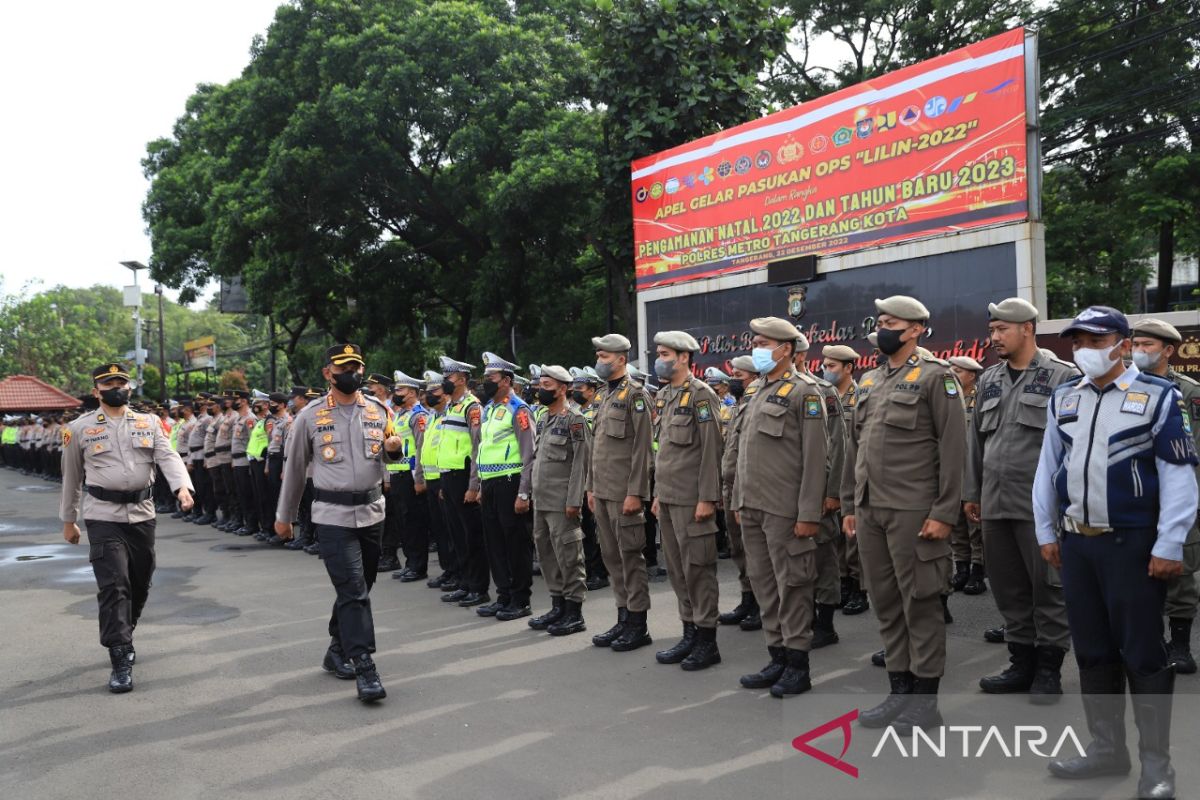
115 496
1075 526
347 498
224 449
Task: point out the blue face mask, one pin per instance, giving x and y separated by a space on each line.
763 361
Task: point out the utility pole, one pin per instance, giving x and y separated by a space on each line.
134 299
271 329
162 352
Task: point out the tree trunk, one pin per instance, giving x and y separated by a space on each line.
1166 265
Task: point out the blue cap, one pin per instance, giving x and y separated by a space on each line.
1099 320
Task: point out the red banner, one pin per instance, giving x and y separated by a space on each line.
932 148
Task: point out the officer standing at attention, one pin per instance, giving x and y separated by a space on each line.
409 422
687 490
746 613
275 426
343 438
117 450
1117 476
901 496
779 493
243 424
204 506
1154 342
436 402
838 369
1006 430
585 387
966 540
559 472
618 483
231 518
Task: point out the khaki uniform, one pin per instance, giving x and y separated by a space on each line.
687 471
828 591
559 473
737 550
904 464
224 437
966 540
1007 428
1183 592
620 467
781 452
847 547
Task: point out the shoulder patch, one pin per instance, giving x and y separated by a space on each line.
66 436
812 405
577 431
1187 422
833 406
523 418
639 403
951 386
474 415
703 411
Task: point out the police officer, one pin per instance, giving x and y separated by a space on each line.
966 540
746 613
779 492
1154 342
203 507
559 472
436 402
901 496
117 450
379 386
223 459
239 439
838 361
687 490
409 422
274 427
585 393
342 437
1117 476
618 484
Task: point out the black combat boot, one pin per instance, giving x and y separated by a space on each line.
947 617
1018 677
975 583
680 650
1180 649
1103 691
571 620
753 620
795 678
847 588
823 633
455 596
543 621
1152 700
612 634
1046 689
370 688
879 658
336 662
901 693
922 708
704 652
858 602
768 675
994 635
122 658
512 610
635 635
740 611
962 571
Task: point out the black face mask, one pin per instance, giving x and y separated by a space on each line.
274 409
546 396
398 399
447 387
347 382
737 388
578 397
490 388
889 341
212 411
432 398
116 397
238 405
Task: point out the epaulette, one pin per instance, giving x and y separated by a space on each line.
928 356
1154 380
804 377
1050 355
1187 379
1068 383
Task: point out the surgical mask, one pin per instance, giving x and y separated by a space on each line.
578 397
830 376
764 362
115 397
664 368
737 388
1095 363
546 396
604 370
888 341
1146 361
490 388
347 382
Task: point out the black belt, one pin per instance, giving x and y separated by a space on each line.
347 498
224 449
196 449
114 496
209 453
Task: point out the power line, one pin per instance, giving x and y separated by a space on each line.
1103 55
1115 27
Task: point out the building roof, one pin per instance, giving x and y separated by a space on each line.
27 393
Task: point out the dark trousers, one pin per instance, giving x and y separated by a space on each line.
509 544
258 487
447 557
227 492
245 494
274 484
1114 608
466 530
650 551
593 559
122 556
199 476
414 529
162 491
393 521
351 556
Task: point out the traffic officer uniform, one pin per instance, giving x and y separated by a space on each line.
1005 436
620 467
409 422
560 467
687 471
117 456
1126 498
782 447
215 479
904 466
437 403
746 613
966 540
345 446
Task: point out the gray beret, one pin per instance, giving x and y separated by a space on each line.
839 352
903 307
556 372
680 341
873 338
801 343
967 363
1158 329
744 363
775 328
612 343
1014 309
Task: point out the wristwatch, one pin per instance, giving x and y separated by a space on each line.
523 497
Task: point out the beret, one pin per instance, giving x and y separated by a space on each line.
802 344
744 363
775 328
967 363
1158 329
1014 309
873 338
903 307
612 343
681 341
556 372
839 352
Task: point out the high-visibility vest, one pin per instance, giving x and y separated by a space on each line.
401 425
10 435
430 446
174 438
499 451
258 441
455 447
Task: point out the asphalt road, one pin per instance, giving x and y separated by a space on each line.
230 701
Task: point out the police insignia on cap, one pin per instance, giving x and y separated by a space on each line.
113 369
347 349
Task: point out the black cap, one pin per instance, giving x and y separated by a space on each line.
344 354
277 397
241 394
111 370
382 380
312 394
298 391
1098 320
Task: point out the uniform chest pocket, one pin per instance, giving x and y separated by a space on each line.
328 447
143 445
614 423
989 415
555 448
1031 410
681 429
97 450
771 421
901 411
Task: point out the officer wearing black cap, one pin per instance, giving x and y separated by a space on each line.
223 459
381 387
276 425
205 506
1117 477
118 449
342 438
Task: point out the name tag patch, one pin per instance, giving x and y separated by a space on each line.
1135 403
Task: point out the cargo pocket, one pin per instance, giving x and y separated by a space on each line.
931 568
631 531
1031 410
702 543
614 423
106 576
989 415
901 411
771 421
801 561
680 431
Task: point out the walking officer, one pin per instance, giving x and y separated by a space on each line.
618 484
117 451
342 437
1117 476
901 496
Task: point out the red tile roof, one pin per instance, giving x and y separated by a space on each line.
27 393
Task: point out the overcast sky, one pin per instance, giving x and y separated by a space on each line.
85 86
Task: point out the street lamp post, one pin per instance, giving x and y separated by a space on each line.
134 266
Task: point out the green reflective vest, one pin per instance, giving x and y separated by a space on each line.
258 440
455 447
430 446
499 451
10 435
402 426
174 437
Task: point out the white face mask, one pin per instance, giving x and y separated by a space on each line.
1095 363
1145 361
